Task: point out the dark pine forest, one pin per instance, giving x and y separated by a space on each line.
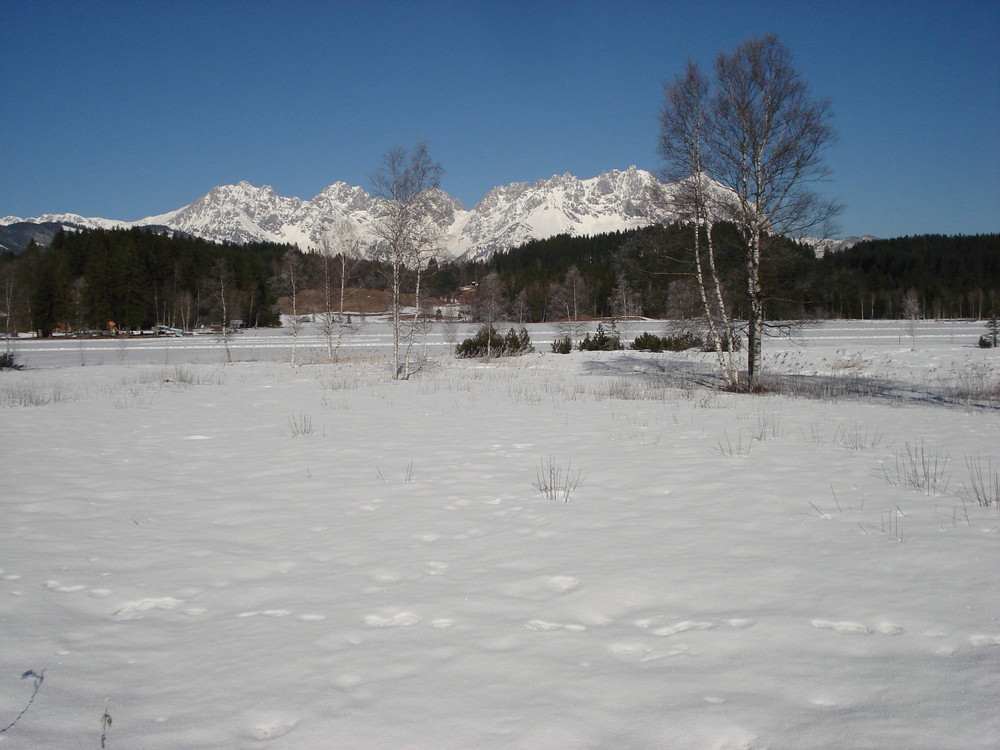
138 278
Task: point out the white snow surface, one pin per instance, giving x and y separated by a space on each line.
317 556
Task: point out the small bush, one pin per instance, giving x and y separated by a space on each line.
487 342
563 345
8 361
517 342
650 342
603 341
992 337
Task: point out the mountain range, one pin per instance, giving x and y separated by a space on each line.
506 217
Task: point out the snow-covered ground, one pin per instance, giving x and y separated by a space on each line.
316 556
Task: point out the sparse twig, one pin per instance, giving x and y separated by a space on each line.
105 724
555 482
300 425
39 678
727 448
919 466
984 482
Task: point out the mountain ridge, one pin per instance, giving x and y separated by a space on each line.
507 216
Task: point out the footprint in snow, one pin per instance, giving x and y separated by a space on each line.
639 653
680 627
546 626
562 584
266 613
391 619
843 626
985 640
58 588
133 610
270 728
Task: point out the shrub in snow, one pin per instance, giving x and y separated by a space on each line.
992 337
603 341
563 345
8 361
650 342
488 343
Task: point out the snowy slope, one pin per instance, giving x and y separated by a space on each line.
514 214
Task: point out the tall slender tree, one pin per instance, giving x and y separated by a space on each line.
341 251
406 233
766 139
683 121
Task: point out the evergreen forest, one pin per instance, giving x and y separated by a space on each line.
133 279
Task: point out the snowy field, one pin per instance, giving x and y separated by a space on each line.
552 552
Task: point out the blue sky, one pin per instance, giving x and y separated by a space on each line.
128 109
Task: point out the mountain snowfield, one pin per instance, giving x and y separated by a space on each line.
552 552
506 217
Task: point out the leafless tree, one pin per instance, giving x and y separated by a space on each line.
290 270
683 121
341 251
568 300
520 308
221 281
407 235
490 305
911 313
766 140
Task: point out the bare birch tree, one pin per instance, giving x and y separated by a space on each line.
766 140
341 251
407 235
290 263
221 280
490 306
683 121
761 136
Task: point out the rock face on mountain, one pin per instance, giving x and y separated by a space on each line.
506 217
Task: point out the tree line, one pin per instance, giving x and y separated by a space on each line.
131 279
138 278
651 272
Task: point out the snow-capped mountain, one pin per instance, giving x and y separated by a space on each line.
506 217
824 246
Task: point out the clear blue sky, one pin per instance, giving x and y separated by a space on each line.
128 109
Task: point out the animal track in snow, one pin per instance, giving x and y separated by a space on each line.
739 623
843 626
562 584
680 627
55 586
271 728
545 626
133 610
391 619
640 653
887 628
266 613
985 640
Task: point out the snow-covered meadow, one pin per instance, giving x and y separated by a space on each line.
590 550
